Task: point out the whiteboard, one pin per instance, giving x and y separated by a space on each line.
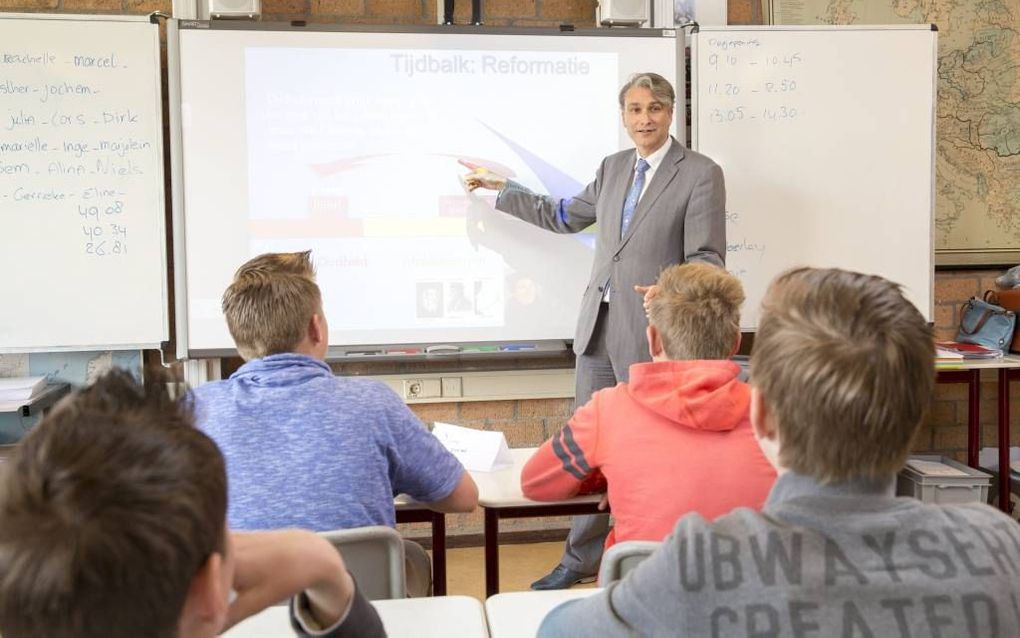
826 139
81 184
279 152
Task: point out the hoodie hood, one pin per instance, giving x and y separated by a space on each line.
280 370
701 395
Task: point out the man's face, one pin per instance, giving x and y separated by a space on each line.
646 119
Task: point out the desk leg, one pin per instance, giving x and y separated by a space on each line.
973 417
491 552
1004 488
438 554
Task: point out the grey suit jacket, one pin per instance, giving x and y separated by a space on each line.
681 217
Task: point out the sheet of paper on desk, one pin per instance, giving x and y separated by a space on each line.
477 450
21 388
934 468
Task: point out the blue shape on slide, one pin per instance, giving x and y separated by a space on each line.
556 182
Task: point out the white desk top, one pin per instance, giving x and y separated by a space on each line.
518 614
1005 361
438 617
502 488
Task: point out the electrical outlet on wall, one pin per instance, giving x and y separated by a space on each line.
412 388
422 389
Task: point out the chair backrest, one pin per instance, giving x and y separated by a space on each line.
375 557
623 557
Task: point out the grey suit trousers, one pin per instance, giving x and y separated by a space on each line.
595 370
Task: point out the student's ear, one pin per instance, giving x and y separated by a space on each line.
761 419
654 342
736 344
317 329
765 431
205 608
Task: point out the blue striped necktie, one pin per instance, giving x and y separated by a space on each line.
630 203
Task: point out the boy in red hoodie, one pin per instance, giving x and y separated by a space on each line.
677 437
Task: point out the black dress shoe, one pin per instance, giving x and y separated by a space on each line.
561 578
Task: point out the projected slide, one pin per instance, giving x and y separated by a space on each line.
372 182
352 152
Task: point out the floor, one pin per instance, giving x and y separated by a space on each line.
519 566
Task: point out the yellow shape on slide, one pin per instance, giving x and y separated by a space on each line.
411 227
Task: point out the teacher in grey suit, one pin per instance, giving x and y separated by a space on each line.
656 205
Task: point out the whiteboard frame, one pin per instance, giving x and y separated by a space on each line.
930 311
339 351
159 177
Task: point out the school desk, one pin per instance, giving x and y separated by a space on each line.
499 493
519 614
434 617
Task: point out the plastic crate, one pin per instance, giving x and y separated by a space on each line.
943 490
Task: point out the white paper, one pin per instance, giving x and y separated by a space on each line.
934 468
477 450
20 388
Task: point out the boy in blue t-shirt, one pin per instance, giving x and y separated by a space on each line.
306 448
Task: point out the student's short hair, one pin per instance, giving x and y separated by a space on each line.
108 508
270 302
845 364
660 87
697 311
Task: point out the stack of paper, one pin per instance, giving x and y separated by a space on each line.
965 350
477 450
941 354
20 388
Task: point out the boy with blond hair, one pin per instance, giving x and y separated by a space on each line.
304 447
842 373
113 525
675 438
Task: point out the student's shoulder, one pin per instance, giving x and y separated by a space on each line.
609 394
973 515
208 391
367 392
363 385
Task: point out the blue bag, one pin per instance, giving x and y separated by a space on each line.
986 324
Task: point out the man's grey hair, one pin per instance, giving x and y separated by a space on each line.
660 87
